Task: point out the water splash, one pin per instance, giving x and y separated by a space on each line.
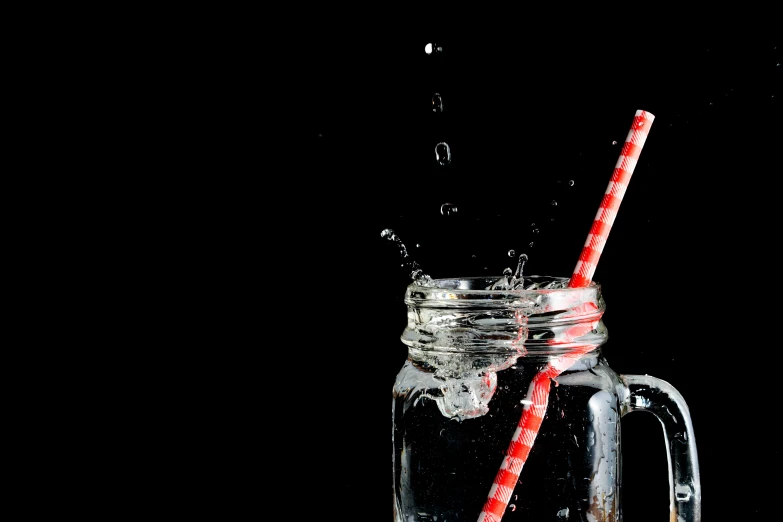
389 234
416 274
511 280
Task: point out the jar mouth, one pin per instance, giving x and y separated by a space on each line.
471 315
476 291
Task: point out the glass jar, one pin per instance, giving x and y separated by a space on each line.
507 409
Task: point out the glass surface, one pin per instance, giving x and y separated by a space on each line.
478 358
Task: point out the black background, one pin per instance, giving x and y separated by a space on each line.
689 270
257 160
330 139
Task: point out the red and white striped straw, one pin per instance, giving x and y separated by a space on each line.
626 163
538 392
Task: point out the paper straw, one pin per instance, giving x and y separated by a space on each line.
538 392
626 163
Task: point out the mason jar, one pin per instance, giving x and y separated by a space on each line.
506 408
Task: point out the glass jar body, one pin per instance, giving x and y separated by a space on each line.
506 408
444 465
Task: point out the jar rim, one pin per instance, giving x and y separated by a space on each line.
476 281
462 314
452 289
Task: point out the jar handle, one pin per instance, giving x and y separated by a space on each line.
646 393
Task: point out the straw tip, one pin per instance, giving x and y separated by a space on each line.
645 114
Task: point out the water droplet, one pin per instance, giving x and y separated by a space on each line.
614 142
448 209
443 153
432 48
437 103
554 203
511 253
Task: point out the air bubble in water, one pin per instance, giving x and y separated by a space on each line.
554 203
437 103
511 253
614 142
443 153
448 209
531 244
570 183
640 123
535 231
